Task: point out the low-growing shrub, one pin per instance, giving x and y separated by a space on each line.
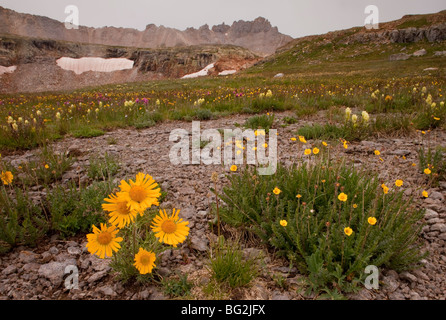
74 210
103 168
260 122
330 219
228 266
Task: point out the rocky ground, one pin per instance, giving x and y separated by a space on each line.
38 273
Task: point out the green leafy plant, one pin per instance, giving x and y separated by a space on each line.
177 286
103 168
314 237
228 266
260 122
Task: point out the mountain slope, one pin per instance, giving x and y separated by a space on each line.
357 50
258 36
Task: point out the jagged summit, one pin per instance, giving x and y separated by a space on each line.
259 36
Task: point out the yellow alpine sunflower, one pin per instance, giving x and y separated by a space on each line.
145 261
7 177
283 223
120 213
104 241
141 194
170 230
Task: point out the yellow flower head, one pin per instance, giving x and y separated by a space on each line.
171 230
348 231
385 188
377 152
399 183
342 197
140 194
371 221
427 171
307 152
120 213
283 223
302 139
7 177
425 194
233 168
145 261
103 241
324 143
293 139
315 150
277 190
299 196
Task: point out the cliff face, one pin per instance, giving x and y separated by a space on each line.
258 35
36 69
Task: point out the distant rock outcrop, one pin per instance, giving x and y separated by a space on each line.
258 35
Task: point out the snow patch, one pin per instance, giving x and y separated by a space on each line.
94 64
10 69
227 72
201 73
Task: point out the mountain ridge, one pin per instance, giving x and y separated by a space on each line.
258 35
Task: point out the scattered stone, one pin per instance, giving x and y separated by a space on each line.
27 256
419 53
430 214
199 244
279 75
277 295
54 271
107 291
144 295
399 56
439 227
408 276
9 270
74 251
53 250
97 276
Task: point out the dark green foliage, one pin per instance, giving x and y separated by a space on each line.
314 238
177 286
21 221
260 122
73 210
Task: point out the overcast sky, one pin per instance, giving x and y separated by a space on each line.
293 17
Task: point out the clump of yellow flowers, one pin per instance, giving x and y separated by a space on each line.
123 207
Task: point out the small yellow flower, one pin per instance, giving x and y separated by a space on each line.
399 183
371 221
302 139
414 164
265 145
283 223
436 118
277 190
324 143
348 231
342 197
307 152
427 171
293 139
315 150
425 194
47 166
7 177
385 188
377 152
233 168
355 205
299 196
